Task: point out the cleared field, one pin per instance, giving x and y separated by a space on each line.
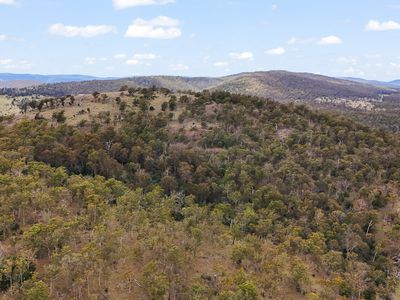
5 106
86 109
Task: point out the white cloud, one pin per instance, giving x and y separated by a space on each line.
132 62
138 59
8 2
145 56
120 56
375 65
158 28
330 40
347 60
373 56
179 67
295 41
3 37
374 25
292 41
122 4
94 60
274 6
90 60
395 65
11 64
276 51
221 64
242 56
354 72
86 32
5 61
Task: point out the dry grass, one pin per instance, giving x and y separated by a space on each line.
5 106
86 108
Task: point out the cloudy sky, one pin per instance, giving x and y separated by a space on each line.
354 38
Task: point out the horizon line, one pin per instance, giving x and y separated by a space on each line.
96 77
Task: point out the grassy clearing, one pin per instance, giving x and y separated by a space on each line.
5 106
86 108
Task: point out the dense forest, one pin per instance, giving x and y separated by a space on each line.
208 195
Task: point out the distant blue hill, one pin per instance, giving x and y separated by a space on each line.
9 77
396 82
393 84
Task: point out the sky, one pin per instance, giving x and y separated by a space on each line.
118 38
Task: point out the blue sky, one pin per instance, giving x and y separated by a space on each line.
357 38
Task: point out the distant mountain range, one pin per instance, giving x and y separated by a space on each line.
10 80
394 83
276 85
374 103
26 80
289 86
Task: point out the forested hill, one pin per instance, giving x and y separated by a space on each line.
372 104
277 85
160 195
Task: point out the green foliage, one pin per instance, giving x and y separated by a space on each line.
249 205
154 282
122 106
59 117
164 106
247 291
42 239
35 290
172 103
15 270
300 276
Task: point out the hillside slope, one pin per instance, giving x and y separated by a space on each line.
288 86
377 106
88 87
17 81
390 84
17 84
278 85
396 82
10 77
159 195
